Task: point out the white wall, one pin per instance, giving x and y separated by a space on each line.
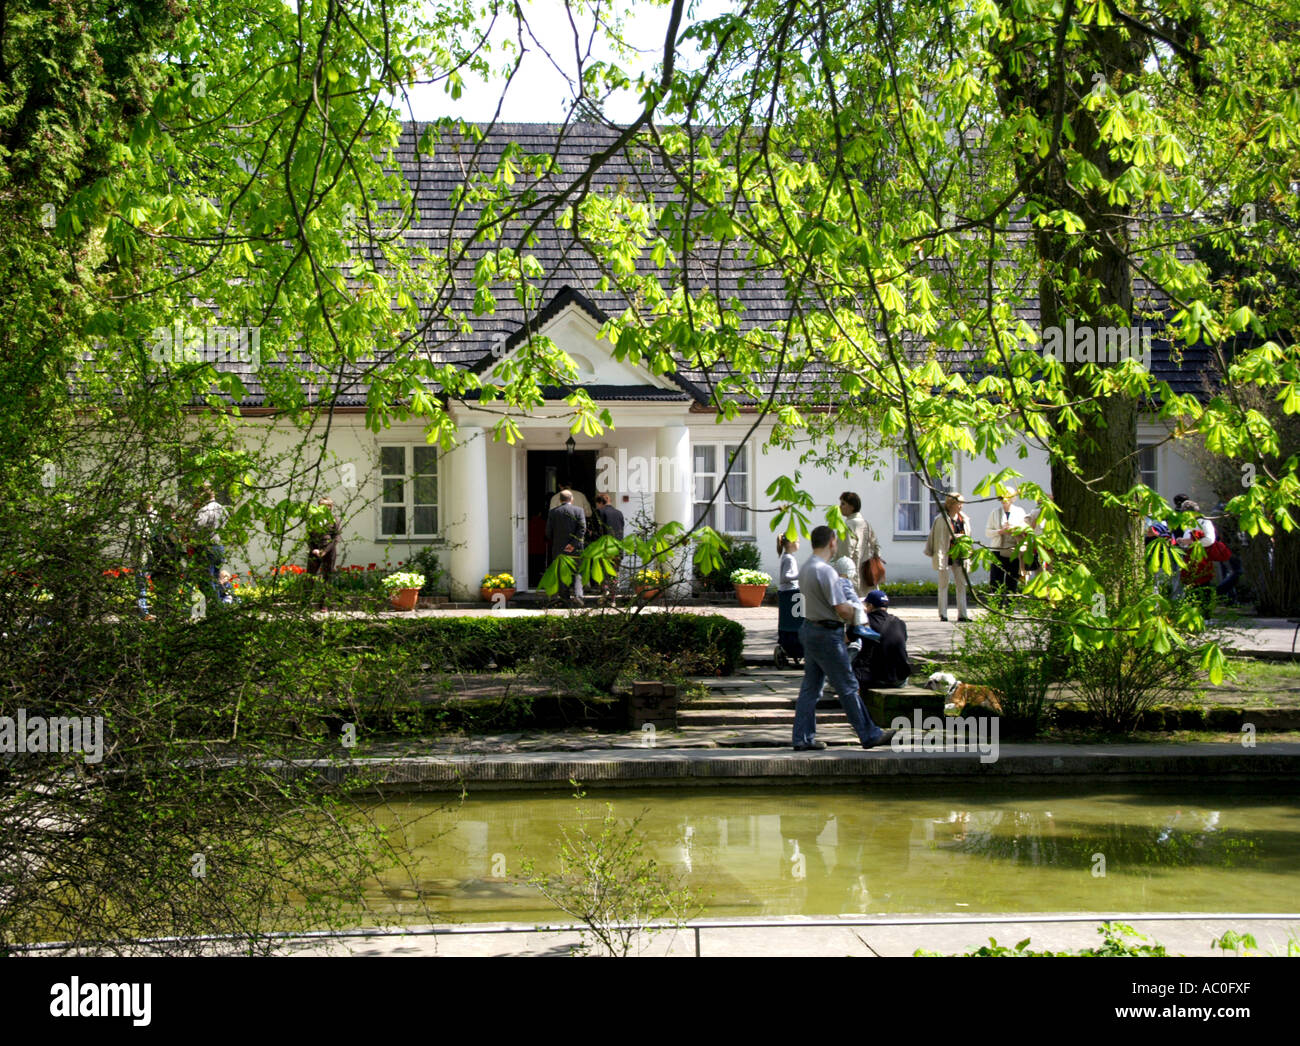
347 473
353 446
904 554
1177 473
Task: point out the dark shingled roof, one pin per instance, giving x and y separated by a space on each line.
573 274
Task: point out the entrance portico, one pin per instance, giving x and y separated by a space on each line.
500 493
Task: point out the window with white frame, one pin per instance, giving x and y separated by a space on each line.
1148 473
916 509
731 507
408 500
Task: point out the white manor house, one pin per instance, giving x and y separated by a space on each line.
661 459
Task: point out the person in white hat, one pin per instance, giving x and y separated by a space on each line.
952 524
1000 532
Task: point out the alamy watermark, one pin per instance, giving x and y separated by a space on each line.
72 998
1088 344
635 474
946 734
23 734
182 343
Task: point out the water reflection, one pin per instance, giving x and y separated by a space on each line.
1183 838
815 852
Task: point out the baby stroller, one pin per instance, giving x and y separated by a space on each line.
789 650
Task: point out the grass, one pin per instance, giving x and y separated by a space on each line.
1264 676
1252 684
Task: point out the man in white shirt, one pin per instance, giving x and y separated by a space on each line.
1182 503
1004 520
825 655
579 499
208 522
1203 572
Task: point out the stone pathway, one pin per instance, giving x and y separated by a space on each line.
894 936
434 771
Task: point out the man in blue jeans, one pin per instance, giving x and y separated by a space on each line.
825 655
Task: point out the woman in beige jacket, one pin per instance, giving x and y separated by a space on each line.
861 544
951 524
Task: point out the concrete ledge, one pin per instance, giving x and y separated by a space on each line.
711 767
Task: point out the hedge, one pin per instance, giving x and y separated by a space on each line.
475 643
262 674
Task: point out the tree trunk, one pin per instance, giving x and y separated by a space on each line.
1084 278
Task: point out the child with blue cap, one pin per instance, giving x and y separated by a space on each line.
859 629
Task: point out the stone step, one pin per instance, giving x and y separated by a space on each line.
751 704
756 689
740 718
885 705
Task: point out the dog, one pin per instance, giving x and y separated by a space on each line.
964 695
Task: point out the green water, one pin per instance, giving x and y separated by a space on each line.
763 852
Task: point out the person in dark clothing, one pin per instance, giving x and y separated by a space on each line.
566 527
1233 569
322 544
607 521
889 664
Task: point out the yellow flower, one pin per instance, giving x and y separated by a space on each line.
650 578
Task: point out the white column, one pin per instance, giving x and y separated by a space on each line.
467 513
677 502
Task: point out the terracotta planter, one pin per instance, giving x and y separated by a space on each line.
404 599
488 594
750 595
645 592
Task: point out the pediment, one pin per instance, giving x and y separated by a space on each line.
576 332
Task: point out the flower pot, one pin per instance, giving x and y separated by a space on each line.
489 594
404 599
750 595
646 592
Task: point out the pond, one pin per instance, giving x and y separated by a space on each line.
773 852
